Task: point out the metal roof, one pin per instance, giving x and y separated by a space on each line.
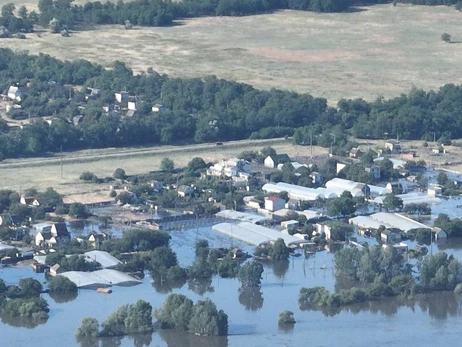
241 216
254 234
100 278
104 258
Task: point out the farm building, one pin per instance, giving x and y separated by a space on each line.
241 216
388 220
255 234
106 260
412 198
100 278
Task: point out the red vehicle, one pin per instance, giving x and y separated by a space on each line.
218 143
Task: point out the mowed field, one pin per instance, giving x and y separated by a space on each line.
46 172
377 50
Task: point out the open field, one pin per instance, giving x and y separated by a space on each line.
46 172
379 50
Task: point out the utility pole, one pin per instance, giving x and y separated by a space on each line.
311 143
61 161
434 137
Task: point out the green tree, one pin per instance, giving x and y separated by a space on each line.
207 321
89 327
167 165
119 173
342 206
392 202
279 250
250 274
176 312
446 37
62 284
286 317
442 178
8 10
78 210
30 287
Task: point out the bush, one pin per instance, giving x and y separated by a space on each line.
88 176
61 284
286 317
119 173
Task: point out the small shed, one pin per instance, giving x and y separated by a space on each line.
290 224
440 234
274 203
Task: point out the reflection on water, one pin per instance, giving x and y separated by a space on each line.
61 298
280 268
251 298
439 305
166 286
201 286
22 322
175 339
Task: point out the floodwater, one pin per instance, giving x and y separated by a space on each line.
253 317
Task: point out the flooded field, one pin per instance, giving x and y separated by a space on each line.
253 317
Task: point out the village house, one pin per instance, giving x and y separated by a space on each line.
31 201
374 171
230 168
76 120
355 153
393 147
290 225
340 166
434 190
56 270
94 93
185 190
157 108
390 236
272 161
8 219
439 234
317 178
96 238
121 96
274 203
395 187
14 93
51 235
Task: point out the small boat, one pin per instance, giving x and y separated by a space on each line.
104 290
295 255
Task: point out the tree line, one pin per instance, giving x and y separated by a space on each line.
197 110
382 273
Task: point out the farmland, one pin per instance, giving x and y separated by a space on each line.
46 172
327 55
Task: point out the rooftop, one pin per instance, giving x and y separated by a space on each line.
241 216
100 278
254 234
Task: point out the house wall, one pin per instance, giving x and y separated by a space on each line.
269 162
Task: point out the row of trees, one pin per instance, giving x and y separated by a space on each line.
382 273
163 13
198 110
201 318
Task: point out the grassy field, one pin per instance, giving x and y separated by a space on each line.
49 174
379 50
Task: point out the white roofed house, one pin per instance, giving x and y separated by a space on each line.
14 93
273 203
185 190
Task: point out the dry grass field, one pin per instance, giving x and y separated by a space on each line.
49 175
380 50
